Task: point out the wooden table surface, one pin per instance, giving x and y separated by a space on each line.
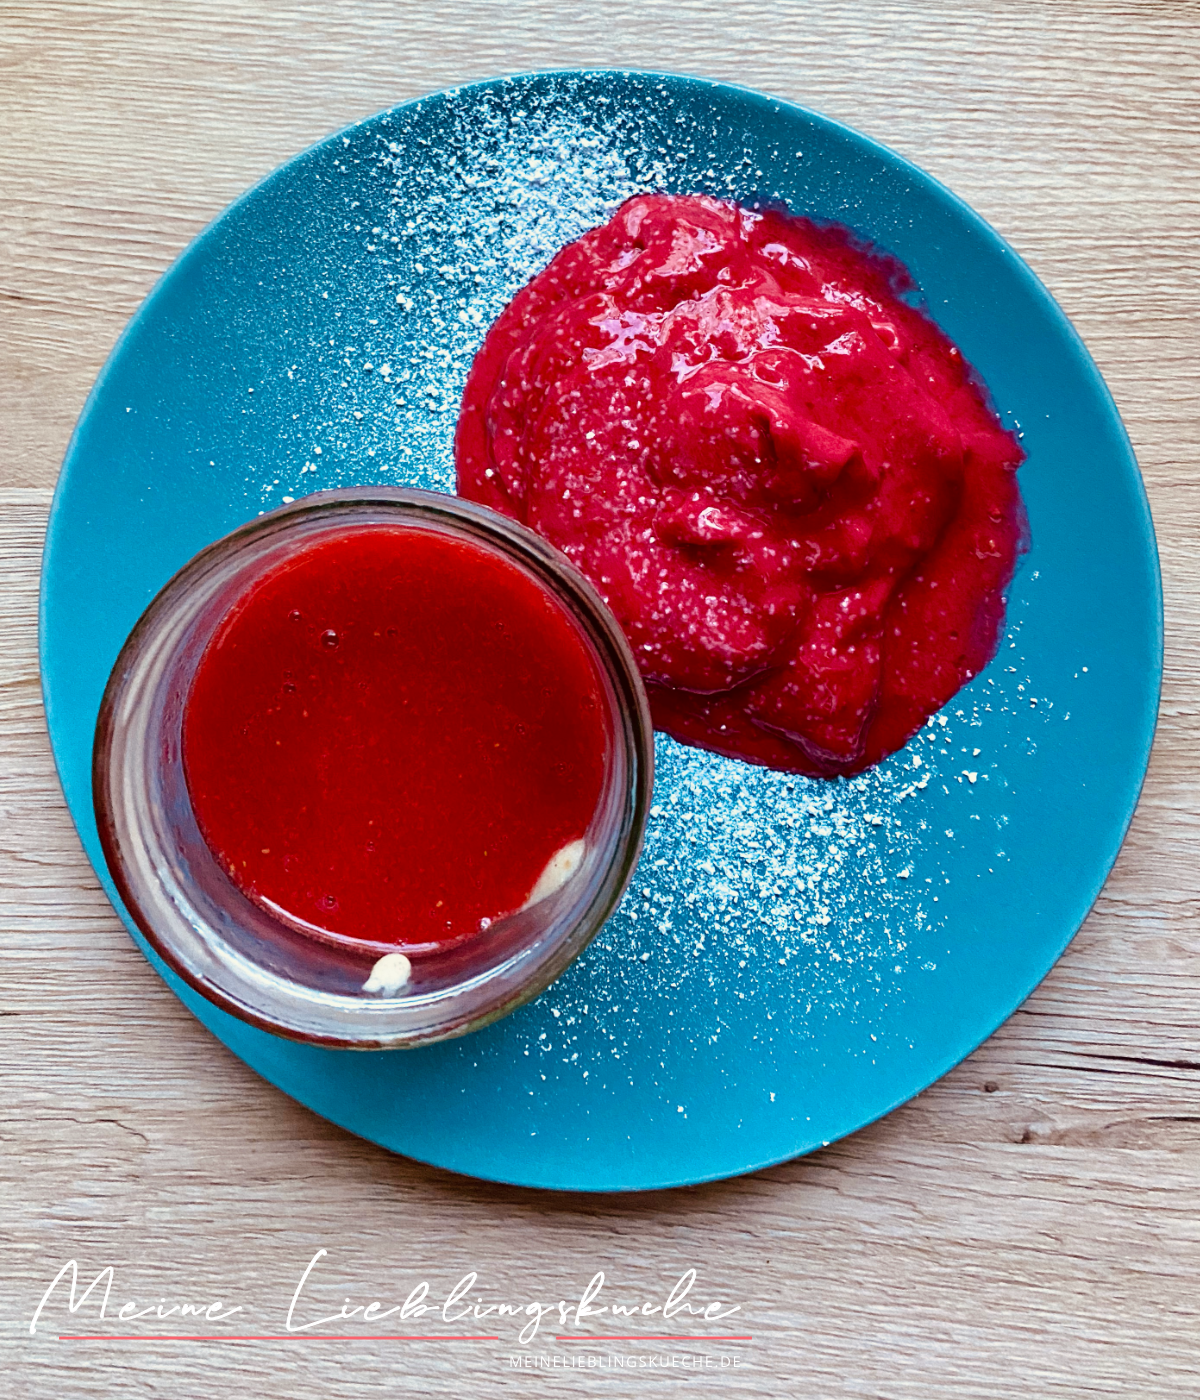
1030 1226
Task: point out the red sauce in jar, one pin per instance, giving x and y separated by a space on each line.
389 736
783 478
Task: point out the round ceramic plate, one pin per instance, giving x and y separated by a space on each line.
794 957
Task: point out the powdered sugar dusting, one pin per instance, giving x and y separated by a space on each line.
764 905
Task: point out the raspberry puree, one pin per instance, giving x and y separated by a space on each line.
392 735
785 481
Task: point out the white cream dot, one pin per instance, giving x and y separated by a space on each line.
559 869
389 974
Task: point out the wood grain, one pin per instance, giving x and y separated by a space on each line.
1028 1226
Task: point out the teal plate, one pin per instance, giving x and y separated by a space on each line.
794 958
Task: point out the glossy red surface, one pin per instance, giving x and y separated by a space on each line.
783 478
390 734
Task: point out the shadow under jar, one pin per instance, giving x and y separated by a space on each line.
284 968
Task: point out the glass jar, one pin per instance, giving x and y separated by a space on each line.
238 953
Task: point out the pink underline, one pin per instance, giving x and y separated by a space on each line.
645 1337
285 1337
